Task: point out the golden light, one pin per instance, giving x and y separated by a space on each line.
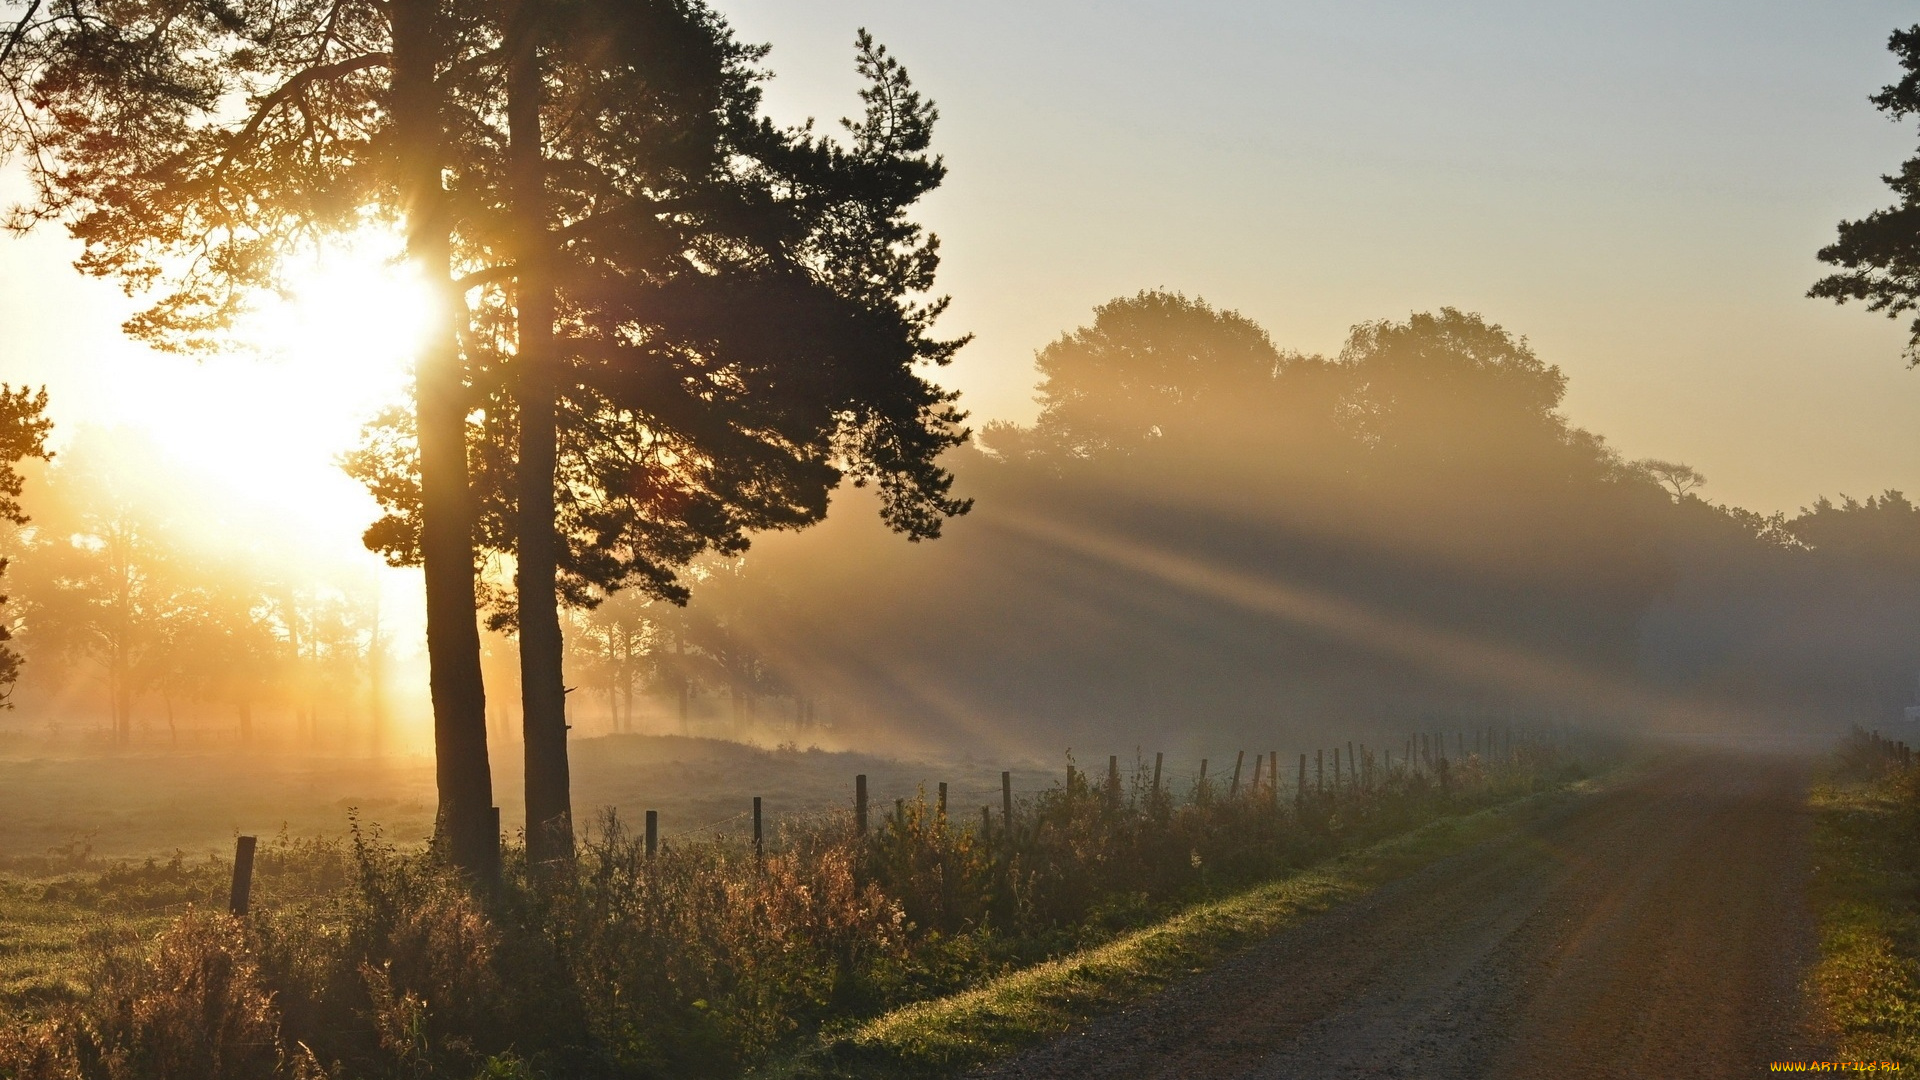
311 366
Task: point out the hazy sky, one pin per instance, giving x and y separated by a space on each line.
1638 188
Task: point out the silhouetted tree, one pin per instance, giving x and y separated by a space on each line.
1151 367
1879 255
735 330
1674 476
1881 531
24 427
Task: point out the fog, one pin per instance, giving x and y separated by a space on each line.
1203 537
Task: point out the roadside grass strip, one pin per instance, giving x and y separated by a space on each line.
947 1035
1866 896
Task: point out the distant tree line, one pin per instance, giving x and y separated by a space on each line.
1432 533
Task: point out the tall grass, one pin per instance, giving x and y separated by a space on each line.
362 960
1866 896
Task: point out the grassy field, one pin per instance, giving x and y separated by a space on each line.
1866 894
59 807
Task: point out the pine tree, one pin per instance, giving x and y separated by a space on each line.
1879 255
704 324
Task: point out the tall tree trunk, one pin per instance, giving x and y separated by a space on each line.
467 824
543 696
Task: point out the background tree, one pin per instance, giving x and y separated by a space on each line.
24 427
107 593
1672 475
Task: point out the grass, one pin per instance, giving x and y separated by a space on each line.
943 1036
1866 897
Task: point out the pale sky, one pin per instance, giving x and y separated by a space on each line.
1638 188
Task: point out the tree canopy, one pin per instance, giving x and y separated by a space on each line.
1879 255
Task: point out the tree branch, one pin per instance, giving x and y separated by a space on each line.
486 276
292 88
19 31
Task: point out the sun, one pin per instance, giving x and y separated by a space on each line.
265 423
351 311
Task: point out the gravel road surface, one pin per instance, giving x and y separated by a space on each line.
1658 929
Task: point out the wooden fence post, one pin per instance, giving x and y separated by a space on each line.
759 849
1233 789
1353 764
860 805
242 890
1006 805
1254 788
1113 781
1319 772
1273 778
1300 791
1156 773
1336 770
943 800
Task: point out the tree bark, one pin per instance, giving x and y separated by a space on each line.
543 697
466 824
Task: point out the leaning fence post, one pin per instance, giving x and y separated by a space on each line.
860 805
1253 789
1233 789
1006 805
653 832
242 889
1157 755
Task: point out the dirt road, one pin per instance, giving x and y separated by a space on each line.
1656 930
